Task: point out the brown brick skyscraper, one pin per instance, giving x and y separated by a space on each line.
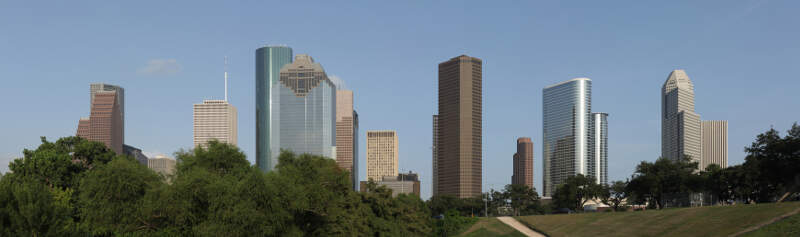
105 121
459 158
523 163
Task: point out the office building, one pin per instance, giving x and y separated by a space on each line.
269 61
136 153
566 131
162 165
95 87
435 182
459 149
523 163
382 154
400 184
105 122
598 167
347 135
305 113
680 125
714 135
215 120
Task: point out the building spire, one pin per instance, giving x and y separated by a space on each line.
226 78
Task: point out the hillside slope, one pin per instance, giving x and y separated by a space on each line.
697 221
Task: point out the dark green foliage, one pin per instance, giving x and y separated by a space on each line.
575 191
76 187
614 194
652 181
768 174
111 194
452 224
29 209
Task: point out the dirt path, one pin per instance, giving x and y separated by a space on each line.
773 220
510 221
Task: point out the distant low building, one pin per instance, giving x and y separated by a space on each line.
402 183
162 165
136 153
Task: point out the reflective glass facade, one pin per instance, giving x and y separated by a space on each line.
306 111
269 61
566 131
598 168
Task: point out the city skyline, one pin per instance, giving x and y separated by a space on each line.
626 49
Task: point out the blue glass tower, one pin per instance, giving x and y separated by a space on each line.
269 61
306 111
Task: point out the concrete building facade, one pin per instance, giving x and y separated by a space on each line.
382 154
215 120
523 163
714 143
269 61
401 184
162 165
680 125
459 148
347 135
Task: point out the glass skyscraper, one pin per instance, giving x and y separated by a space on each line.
269 61
599 164
566 131
306 110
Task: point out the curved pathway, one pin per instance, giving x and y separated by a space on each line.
510 221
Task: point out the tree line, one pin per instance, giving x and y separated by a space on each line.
75 187
770 173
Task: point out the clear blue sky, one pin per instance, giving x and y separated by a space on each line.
741 55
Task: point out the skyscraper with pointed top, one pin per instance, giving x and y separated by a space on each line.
680 125
306 112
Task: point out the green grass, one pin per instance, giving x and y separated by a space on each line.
491 227
696 221
786 227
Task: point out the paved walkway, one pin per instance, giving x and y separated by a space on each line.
510 221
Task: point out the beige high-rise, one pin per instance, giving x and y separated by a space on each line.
715 143
162 165
215 120
382 154
347 134
680 125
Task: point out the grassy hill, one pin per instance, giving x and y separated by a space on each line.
697 221
491 227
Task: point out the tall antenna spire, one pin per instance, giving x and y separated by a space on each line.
226 78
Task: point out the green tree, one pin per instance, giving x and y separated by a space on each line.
29 208
111 194
614 194
653 181
575 191
60 164
524 200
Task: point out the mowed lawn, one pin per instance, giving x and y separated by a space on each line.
786 227
490 227
695 221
